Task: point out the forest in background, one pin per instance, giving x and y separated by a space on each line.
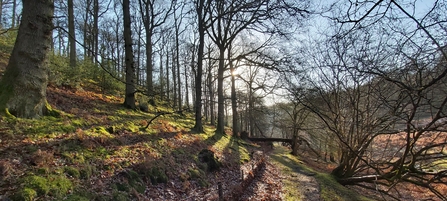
366 93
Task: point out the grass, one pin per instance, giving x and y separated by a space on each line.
329 188
97 150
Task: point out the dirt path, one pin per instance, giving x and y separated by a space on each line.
299 183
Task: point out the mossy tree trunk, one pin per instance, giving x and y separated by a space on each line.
23 87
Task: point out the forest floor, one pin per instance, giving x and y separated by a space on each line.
95 149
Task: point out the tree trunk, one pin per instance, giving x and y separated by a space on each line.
187 84
138 65
220 96
95 32
168 88
233 97
211 91
129 100
71 33
1 14
149 67
174 76
198 127
86 30
177 64
162 83
14 8
23 87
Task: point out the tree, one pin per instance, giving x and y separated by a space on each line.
71 33
377 85
129 100
23 87
154 14
200 6
228 20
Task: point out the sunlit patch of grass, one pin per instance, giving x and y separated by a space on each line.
285 162
54 185
46 127
330 189
221 141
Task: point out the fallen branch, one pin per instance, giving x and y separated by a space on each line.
163 113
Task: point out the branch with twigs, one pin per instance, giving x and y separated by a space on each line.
163 113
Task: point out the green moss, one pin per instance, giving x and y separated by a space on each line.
38 183
101 130
122 187
6 90
60 185
54 185
87 171
72 171
25 194
78 122
133 176
157 176
43 171
130 126
75 197
195 173
120 196
74 157
51 112
203 183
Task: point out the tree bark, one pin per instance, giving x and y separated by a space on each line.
235 115
86 30
198 127
129 100
211 90
220 96
177 64
23 87
174 76
71 32
14 8
95 31
1 13
168 89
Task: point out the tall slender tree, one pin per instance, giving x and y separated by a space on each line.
71 33
201 10
154 15
129 100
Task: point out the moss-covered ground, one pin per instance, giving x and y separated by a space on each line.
98 150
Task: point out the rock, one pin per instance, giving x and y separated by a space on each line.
144 108
244 135
207 156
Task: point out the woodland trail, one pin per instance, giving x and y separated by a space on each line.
298 183
279 177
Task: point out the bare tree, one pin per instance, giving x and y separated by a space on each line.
154 14
230 19
377 86
201 7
